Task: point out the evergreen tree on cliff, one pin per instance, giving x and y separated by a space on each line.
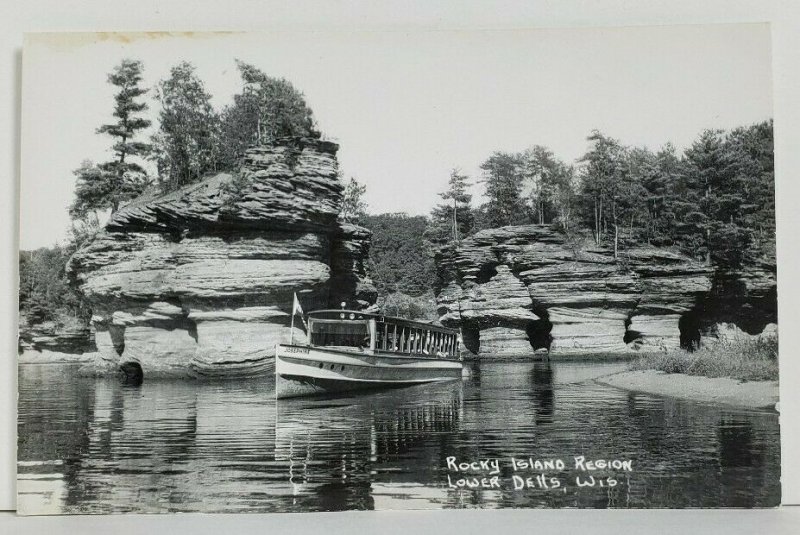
109 184
660 174
503 180
715 192
540 169
267 109
756 167
186 145
453 219
611 192
728 202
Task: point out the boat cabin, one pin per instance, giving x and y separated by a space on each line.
381 334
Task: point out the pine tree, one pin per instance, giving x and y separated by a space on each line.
610 192
715 194
540 168
452 219
111 183
661 185
127 174
756 171
186 144
503 177
267 109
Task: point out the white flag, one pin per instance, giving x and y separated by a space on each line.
296 308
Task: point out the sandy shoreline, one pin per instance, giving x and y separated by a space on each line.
722 390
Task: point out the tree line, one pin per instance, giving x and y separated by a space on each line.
714 201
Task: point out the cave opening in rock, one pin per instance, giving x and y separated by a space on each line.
690 327
538 332
132 373
730 302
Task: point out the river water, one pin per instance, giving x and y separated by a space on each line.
91 445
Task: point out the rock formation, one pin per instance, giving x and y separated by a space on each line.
41 339
201 280
515 290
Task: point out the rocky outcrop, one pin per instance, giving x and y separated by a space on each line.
746 298
514 290
52 338
202 280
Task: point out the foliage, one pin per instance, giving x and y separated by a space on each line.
452 219
481 218
109 184
547 178
757 174
267 109
660 175
399 304
727 200
528 187
82 231
610 189
44 294
503 180
354 209
714 202
401 259
745 359
186 145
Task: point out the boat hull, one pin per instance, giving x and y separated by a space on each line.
308 371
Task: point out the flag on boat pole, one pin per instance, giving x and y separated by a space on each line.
296 309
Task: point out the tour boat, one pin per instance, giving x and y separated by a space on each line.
351 350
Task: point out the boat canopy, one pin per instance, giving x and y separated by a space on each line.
380 333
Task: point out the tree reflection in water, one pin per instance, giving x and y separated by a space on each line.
542 391
94 445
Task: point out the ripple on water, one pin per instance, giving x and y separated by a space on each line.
92 445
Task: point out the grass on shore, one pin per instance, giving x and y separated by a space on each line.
744 359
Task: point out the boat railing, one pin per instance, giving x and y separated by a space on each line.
383 335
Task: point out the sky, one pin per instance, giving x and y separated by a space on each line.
405 107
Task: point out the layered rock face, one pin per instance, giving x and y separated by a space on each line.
515 290
48 337
201 280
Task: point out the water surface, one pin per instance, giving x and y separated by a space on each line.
91 445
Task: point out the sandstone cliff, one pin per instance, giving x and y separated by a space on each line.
514 290
49 337
201 280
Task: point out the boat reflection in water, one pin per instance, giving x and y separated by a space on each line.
93 445
370 450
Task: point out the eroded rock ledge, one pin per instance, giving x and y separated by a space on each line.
516 290
201 280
